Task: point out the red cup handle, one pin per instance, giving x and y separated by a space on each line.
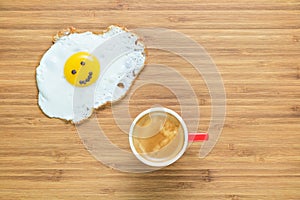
197 137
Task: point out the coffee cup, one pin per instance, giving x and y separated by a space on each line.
159 136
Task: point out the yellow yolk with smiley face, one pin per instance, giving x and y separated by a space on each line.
82 69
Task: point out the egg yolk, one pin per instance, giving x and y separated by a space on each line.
82 69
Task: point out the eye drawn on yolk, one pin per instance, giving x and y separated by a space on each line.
82 69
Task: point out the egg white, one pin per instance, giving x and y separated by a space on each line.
121 59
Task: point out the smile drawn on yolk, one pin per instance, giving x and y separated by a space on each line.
82 69
87 79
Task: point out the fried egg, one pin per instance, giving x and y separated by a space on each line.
84 71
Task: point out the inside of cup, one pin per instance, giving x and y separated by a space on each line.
167 141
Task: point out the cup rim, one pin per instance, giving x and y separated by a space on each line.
165 163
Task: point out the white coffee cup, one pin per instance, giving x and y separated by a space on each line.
188 137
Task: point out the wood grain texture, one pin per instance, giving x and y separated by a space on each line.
256 46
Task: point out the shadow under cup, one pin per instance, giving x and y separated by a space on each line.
158 137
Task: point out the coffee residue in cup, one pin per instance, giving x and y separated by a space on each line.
169 129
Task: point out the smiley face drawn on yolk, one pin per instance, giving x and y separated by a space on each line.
82 69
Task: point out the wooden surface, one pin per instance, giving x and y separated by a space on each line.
255 45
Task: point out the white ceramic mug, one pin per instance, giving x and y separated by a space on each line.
188 137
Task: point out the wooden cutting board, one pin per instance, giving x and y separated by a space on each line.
256 46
